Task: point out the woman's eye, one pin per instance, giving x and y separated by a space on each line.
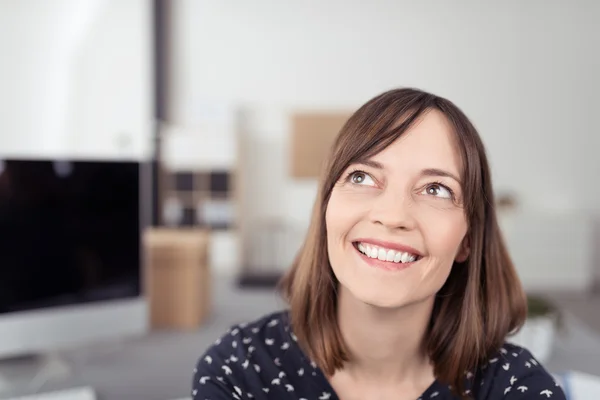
438 191
361 178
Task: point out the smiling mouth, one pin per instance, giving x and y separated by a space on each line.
384 254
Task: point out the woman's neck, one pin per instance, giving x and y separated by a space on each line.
386 345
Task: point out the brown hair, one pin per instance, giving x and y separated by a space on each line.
478 306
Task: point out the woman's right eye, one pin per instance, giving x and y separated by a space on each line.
361 178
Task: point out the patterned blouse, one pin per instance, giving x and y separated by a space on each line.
262 360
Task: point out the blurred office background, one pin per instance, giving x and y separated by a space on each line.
158 165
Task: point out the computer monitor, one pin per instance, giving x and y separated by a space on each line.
70 253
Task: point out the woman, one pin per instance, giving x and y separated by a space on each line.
403 288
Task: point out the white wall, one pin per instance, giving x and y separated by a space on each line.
525 72
76 78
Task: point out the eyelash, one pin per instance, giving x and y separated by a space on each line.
437 183
434 183
351 173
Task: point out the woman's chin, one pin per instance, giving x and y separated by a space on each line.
377 296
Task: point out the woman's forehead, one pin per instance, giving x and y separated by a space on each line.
430 142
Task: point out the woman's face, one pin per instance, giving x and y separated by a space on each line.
395 222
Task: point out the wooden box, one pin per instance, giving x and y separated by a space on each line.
313 134
177 277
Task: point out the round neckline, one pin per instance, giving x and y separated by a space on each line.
322 380
435 386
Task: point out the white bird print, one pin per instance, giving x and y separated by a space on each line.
246 340
255 330
493 360
313 364
194 392
506 366
289 387
245 364
226 369
325 396
250 395
204 379
434 394
469 375
503 351
251 349
467 392
220 379
277 362
235 396
243 325
515 355
218 341
234 344
534 362
301 372
513 380
294 338
238 390
522 389
528 364
233 358
235 332
285 346
275 381
208 359
281 374
269 342
547 393
507 390
256 367
266 390
272 323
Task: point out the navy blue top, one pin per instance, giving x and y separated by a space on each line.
262 360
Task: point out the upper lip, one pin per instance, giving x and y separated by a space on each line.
391 246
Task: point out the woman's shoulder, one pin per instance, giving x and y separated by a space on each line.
514 373
247 357
246 338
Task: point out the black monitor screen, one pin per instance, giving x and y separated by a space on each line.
69 232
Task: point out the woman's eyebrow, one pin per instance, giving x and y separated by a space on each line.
439 172
370 163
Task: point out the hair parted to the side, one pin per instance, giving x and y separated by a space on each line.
480 303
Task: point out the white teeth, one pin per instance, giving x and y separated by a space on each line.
372 251
390 255
385 254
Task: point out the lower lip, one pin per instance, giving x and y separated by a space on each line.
385 265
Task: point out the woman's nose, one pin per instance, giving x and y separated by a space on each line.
394 210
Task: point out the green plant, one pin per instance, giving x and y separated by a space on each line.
538 306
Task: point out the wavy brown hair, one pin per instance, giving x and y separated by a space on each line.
479 304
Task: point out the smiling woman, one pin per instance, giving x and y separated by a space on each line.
403 288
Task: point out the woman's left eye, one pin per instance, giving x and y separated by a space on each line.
435 189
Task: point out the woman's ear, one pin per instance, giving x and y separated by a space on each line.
463 251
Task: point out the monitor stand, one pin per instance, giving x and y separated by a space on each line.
28 374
